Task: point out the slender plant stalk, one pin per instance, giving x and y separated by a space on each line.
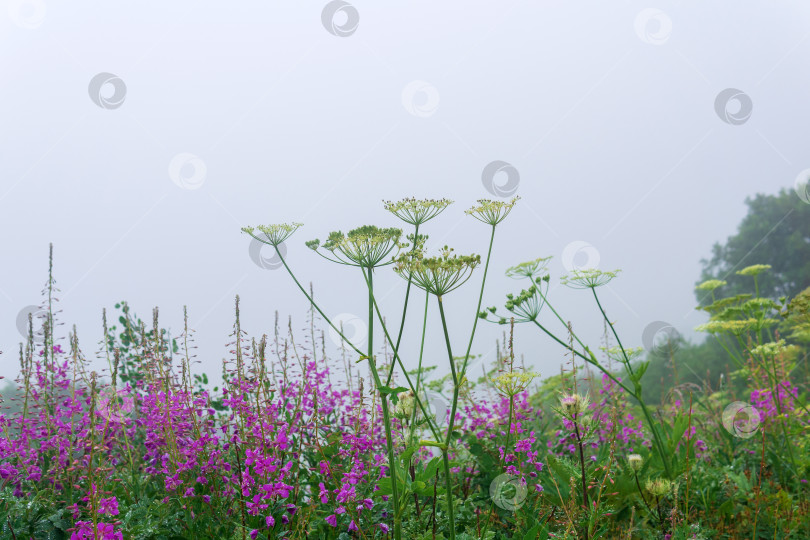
478 308
582 466
389 441
644 409
419 367
431 422
641 492
327 319
404 311
448 480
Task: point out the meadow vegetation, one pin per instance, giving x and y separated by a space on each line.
297 443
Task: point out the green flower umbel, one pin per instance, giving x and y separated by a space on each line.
617 354
436 275
754 269
529 269
417 211
525 307
512 383
588 278
273 234
492 212
365 246
711 284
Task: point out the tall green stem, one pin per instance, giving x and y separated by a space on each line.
335 328
554 311
389 441
478 308
448 480
590 359
502 463
647 415
431 423
421 354
404 312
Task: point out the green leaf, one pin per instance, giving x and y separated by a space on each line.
538 532
393 392
405 457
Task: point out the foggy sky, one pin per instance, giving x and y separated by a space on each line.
215 116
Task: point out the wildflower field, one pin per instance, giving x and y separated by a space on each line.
296 444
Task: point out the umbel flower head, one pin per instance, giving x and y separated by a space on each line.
774 349
528 269
736 328
526 305
273 234
588 278
711 284
436 275
514 382
492 212
615 353
754 269
365 246
417 211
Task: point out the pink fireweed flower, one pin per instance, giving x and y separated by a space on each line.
7 471
173 482
104 531
108 506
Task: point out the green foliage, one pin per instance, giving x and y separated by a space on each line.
34 517
776 229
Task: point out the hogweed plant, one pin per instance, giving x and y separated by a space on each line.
746 326
134 442
367 248
528 304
